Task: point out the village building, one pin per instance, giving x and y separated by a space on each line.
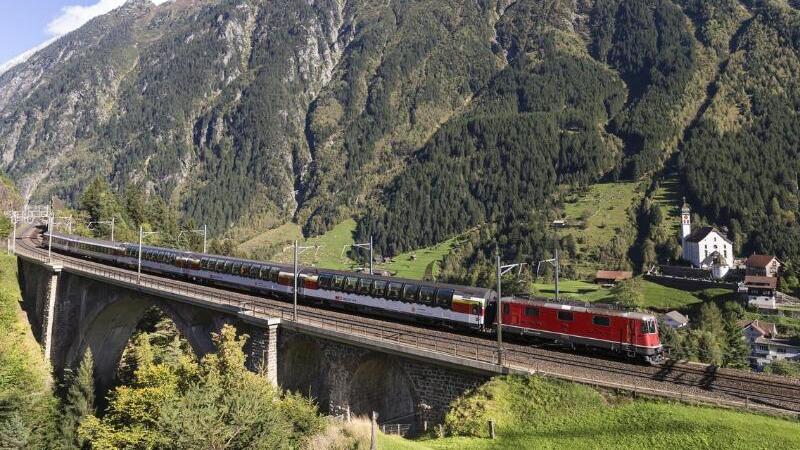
674 319
611 277
706 247
762 265
761 292
765 345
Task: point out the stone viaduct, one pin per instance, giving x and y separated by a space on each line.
71 310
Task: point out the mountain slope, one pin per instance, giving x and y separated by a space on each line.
420 118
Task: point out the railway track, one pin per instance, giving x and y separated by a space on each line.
684 381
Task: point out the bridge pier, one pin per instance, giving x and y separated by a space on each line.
262 347
49 313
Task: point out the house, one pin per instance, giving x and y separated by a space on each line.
611 277
674 319
761 291
762 265
765 345
705 247
559 223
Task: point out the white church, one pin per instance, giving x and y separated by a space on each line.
706 247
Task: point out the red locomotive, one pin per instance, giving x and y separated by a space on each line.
628 332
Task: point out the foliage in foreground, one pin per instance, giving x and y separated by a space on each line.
213 403
535 412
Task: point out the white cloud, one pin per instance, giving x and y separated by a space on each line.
73 16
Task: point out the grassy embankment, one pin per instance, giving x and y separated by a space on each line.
25 383
412 264
537 413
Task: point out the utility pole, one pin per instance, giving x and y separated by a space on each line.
14 238
104 222
205 237
203 231
499 312
363 245
298 250
142 235
502 270
50 239
557 264
553 262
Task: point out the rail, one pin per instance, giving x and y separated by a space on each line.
454 346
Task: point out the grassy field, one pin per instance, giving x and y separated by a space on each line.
537 413
329 253
667 197
656 297
603 207
665 298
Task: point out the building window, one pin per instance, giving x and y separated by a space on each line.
762 348
781 350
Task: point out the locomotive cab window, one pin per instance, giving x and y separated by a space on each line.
602 321
531 311
648 326
566 316
410 293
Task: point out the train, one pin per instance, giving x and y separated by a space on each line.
630 333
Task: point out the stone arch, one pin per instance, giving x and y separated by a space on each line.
300 369
380 384
107 318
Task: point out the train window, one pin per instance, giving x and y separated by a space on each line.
264 273
338 282
378 288
363 286
393 290
255 270
350 284
245 271
235 268
444 297
648 326
426 295
531 311
226 266
325 280
410 293
274 273
566 316
220 265
602 321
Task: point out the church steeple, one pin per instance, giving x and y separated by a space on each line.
686 220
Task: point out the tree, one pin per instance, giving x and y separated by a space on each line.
628 293
784 367
213 403
709 347
738 351
79 403
710 319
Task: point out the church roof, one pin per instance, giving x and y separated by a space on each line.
701 233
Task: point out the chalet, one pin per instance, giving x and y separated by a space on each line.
765 345
674 319
611 277
762 265
706 247
761 291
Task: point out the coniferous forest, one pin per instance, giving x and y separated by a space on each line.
421 120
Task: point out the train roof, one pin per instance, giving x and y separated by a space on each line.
471 290
604 309
474 291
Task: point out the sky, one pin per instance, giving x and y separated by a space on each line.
25 24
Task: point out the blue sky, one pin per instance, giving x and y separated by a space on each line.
26 24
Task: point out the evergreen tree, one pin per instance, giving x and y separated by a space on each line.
737 351
79 402
628 293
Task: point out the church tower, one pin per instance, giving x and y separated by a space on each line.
686 221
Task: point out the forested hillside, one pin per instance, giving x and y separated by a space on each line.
421 119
